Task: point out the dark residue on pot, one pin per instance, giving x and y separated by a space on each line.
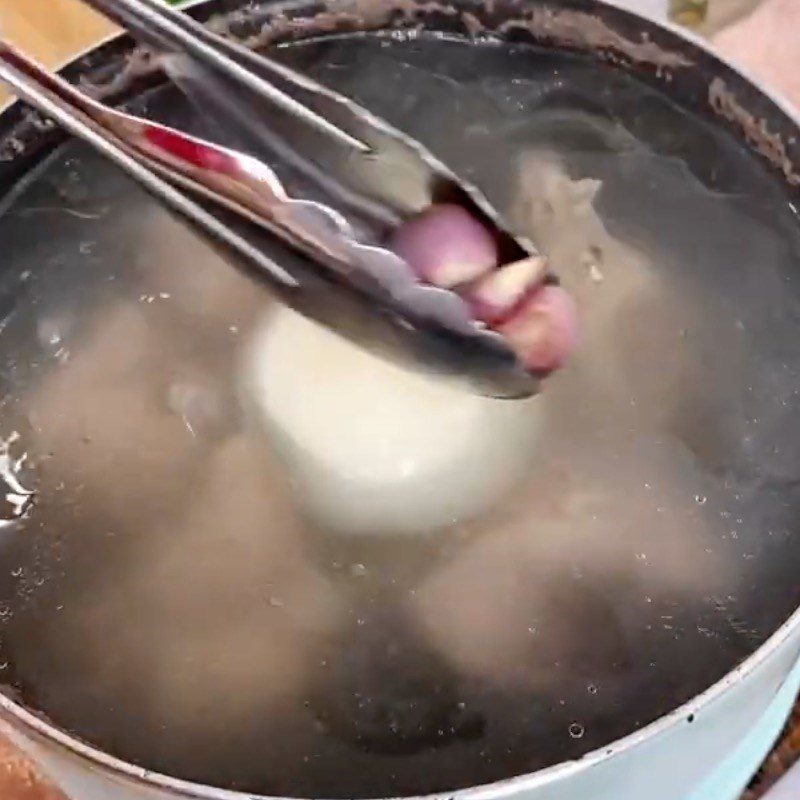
259 28
756 130
578 30
584 31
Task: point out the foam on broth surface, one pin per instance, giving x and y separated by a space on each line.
165 598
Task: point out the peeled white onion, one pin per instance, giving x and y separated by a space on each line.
372 448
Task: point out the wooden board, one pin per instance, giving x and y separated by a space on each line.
51 30
20 779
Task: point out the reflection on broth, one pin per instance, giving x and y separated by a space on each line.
169 600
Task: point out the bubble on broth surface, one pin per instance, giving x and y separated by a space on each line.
17 499
193 619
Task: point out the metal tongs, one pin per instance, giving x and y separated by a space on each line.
366 176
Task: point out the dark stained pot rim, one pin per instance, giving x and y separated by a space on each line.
674 61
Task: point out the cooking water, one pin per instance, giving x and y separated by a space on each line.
167 597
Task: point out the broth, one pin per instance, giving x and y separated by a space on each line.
166 600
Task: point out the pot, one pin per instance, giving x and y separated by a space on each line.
663 653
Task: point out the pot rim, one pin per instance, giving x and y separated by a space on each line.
40 728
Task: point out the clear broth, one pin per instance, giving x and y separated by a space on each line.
164 598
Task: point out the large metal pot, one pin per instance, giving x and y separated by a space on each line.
704 749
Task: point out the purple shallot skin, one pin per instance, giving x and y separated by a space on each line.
448 247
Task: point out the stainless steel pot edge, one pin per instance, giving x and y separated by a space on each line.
40 729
